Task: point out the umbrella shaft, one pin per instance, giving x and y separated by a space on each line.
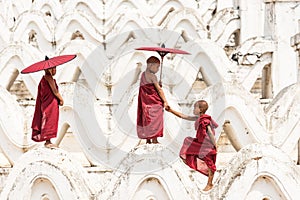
161 66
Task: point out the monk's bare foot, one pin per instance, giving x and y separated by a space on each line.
208 187
148 141
154 141
50 145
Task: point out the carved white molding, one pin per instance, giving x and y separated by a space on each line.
67 176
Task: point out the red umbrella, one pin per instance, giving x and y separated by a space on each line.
162 51
48 63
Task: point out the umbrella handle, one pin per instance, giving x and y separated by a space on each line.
161 66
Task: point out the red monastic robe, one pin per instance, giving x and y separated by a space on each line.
150 122
200 153
45 120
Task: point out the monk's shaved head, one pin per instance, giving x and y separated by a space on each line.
202 105
152 60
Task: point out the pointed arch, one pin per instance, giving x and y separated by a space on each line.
266 186
13 141
231 104
89 122
240 176
91 62
19 6
37 21
42 188
186 21
16 57
55 6
66 175
223 24
151 187
120 6
122 23
155 164
164 10
284 118
73 21
93 7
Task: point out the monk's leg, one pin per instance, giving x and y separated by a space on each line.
49 144
154 141
148 141
183 158
209 181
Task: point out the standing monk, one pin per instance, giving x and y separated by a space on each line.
151 102
200 153
45 119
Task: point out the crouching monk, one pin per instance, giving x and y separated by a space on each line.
200 153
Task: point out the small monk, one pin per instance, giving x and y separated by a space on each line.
151 104
45 120
200 153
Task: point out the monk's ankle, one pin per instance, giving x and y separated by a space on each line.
208 187
154 141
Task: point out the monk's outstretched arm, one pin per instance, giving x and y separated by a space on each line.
183 116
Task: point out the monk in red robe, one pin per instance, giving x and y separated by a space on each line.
200 153
151 104
45 120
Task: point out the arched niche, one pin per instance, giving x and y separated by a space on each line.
13 141
151 188
16 57
54 7
256 173
93 7
237 129
149 166
266 188
34 28
43 189
43 167
77 21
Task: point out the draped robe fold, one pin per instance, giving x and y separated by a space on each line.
149 111
200 153
45 120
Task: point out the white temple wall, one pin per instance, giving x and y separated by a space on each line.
100 157
282 14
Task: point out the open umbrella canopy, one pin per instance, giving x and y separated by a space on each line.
48 63
162 51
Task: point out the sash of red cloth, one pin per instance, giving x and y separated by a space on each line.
200 153
45 118
149 111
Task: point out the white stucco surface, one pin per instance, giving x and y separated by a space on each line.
244 61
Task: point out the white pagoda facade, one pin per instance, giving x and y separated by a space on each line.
244 61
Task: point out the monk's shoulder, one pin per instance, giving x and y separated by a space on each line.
153 78
150 77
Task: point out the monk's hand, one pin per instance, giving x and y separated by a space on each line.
61 102
168 108
166 105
